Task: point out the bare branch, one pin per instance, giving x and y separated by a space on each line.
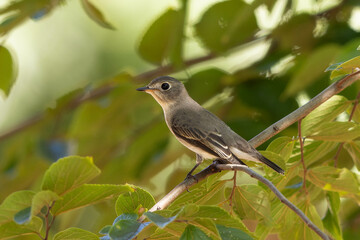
272 187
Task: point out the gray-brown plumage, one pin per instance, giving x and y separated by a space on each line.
198 129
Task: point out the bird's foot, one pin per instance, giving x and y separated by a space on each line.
189 176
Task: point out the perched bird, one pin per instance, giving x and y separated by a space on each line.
198 129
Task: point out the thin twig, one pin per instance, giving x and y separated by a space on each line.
281 197
232 191
47 223
302 155
356 102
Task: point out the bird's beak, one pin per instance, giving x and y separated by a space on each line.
143 89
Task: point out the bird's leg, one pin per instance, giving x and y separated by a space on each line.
199 160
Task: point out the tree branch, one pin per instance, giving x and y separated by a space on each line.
301 112
278 194
258 140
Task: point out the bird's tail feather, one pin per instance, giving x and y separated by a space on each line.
271 164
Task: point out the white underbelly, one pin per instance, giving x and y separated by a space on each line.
197 150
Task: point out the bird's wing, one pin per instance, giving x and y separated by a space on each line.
210 141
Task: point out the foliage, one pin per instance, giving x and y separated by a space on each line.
47 190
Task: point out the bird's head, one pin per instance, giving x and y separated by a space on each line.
166 91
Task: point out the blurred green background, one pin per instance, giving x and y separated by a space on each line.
69 74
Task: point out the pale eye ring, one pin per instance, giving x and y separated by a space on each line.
165 86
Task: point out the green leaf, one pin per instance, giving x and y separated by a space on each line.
12 229
41 199
337 132
226 24
333 179
326 112
105 230
7 68
126 229
206 225
193 233
346 67
69 173
75 234
232 233
95 14
131 202
216 214
159 220
315 64
252 202
14 203
282 146
163 39
313 151
296 228
87 194
353 148
331 220
23 216
356 116
287 34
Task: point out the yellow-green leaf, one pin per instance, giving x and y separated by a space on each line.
337 132
14 203
131 201
326 112
347 67
69 173
87 194
6 68
42 199
95 14
75 234
333 179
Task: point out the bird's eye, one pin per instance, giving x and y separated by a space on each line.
165 86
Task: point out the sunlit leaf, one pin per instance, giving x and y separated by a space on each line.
7 68
130 202
12 229
252 202
337 131
232 233
297 229
331 220
14 203
95 14
191 233
326 112
347 67
333 179
87 194
282 146
313 151
69 173
74 234
217 214
226 24
353 149
42 199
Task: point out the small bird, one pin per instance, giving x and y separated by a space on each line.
198 129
